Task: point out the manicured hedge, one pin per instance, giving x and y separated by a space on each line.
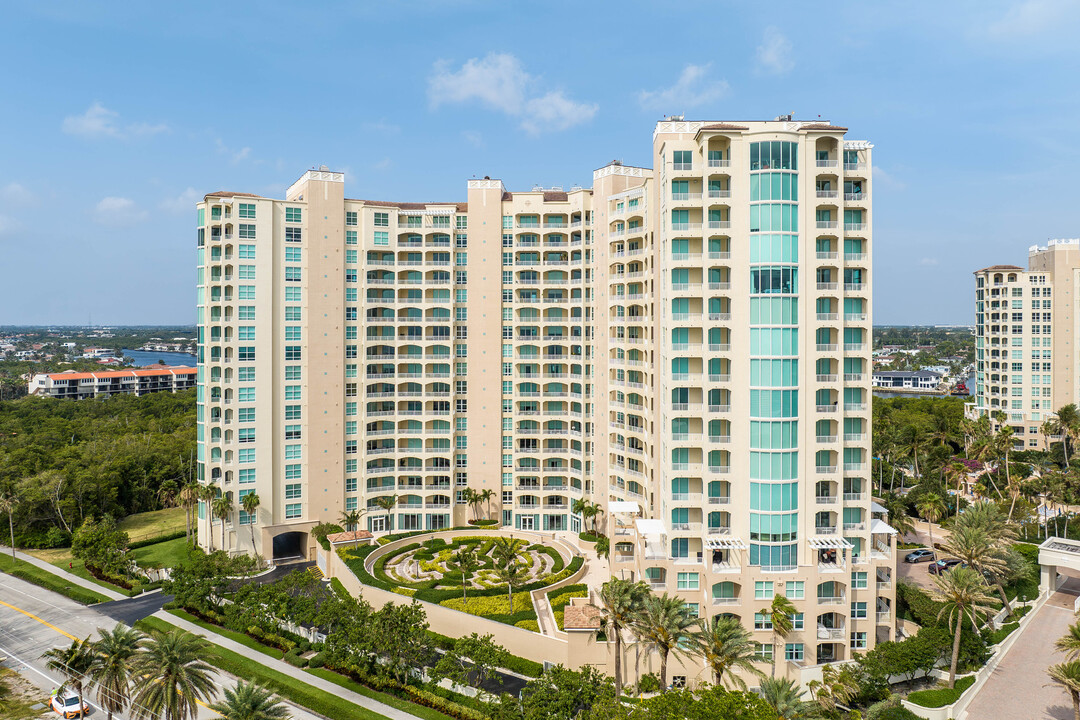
940 697
999 635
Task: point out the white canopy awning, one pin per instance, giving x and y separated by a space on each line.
650 527
725 543
623 506
878 526
822 542
876 508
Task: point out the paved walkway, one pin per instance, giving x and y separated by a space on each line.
287 669
60 572
1019 688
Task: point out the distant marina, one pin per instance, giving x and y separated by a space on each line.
145 358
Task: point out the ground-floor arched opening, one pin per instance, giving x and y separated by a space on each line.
290 546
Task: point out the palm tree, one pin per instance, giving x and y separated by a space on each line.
1070 643
619 603
8 502
168 493
484 496
466 560
964 594
664 625
955 472
472 498
932 508
189 496
726 647
781 613
207 495
1067 675
1066 423
784 697
508 568
387 503
222 509
249 701
110 669
983 538
72 662
898 517
838 685
172 677
250 503
350 520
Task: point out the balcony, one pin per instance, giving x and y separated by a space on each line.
828 194
826 408
855 196
832 599
849 167
827 378
719 163
826 439
676 196
686 497
827 224
827 163
685 226
856 227
825 530
719 194
719 499
827 286
826 499
719 224
719 530
825 469
826 255
854 287
827 633
682 166
725 601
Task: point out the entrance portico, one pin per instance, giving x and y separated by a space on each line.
1053 553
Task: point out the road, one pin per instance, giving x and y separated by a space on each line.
32 620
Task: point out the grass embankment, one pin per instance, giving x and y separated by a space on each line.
289 688
49 581
153 524
940 697
170 554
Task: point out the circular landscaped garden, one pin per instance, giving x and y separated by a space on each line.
468 573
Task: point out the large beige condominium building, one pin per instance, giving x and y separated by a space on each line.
688 346
1026 340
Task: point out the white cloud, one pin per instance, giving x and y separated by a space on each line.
7 225
382 126
774 52
235 156
692 89
473 137
182 203
887 179
15 194
118 212
1032 17
98 121
499 81
383 164
555 111
928 262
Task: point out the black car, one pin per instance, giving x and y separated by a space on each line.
919 555
943 566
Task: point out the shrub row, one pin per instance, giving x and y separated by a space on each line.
76 593
411 693
293 658
940 697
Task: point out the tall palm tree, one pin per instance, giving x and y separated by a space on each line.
172 677
784 697
222 509
1067 675
249 701
207 495
350 520
387 503
508 565
932 508
1070 643
781 614
964 594
484 496
167 493
1066 423
664 624
8 502
250 504
726 647
989 527
619 603
955 473
189 497
73 663
110 669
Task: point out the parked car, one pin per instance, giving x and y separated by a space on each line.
66 705
940 567
916 556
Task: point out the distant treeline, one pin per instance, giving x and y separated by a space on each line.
62 460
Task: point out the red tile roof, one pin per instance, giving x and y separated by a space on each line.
823 126
723 126
552 196
353 536
581 617
1000 267
226 193
152 372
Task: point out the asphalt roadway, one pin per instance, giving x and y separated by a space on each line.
33 620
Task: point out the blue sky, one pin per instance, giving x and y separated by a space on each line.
119 116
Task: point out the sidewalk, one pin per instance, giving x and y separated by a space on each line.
60 572
286 669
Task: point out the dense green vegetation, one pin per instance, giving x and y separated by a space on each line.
63 461
940 697
946 342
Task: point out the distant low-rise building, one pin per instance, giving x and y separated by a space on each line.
83 385
907 379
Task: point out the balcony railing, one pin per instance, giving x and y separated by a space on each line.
827 224
827 163
718 163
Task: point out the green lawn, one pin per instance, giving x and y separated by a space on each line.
231 634
49 581
289 688
170 553
143 526
392 701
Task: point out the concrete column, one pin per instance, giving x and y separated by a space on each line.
1048 577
